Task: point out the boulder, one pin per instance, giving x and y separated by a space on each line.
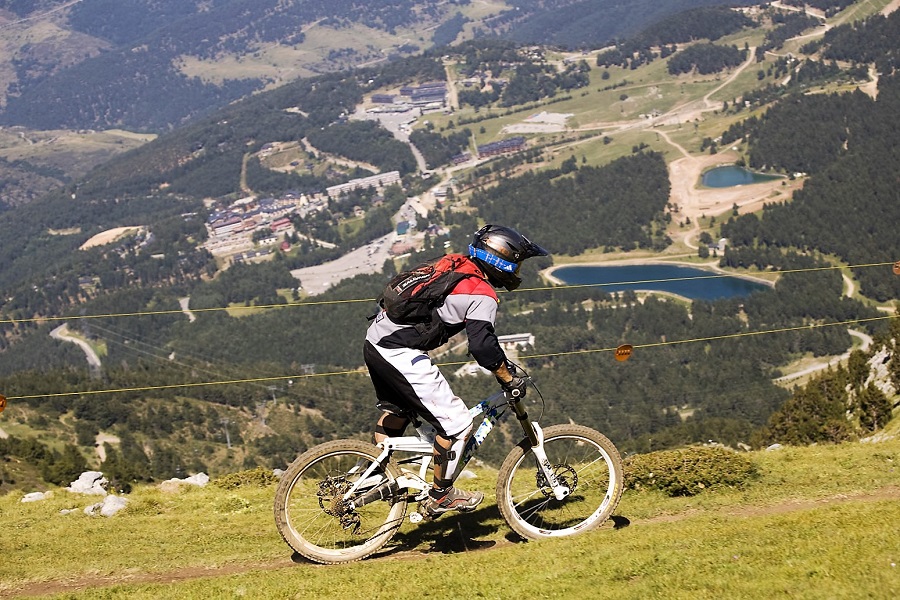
36 496
110 506
90 482
173 485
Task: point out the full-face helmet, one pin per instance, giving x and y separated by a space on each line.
499 252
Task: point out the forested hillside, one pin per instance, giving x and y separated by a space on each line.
850 205
262 370
621 203
710 23
588 23
138 85
139 80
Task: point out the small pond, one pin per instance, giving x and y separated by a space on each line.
690 282
732 175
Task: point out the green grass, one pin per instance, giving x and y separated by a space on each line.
74 153
860 10
818 523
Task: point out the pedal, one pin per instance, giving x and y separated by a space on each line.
421 515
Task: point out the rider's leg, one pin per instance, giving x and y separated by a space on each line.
448 452
389 425
406 381
443 496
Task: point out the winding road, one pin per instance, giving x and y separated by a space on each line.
62 333
865 345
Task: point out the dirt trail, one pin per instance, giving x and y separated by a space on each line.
618 521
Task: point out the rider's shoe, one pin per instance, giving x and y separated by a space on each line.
452 499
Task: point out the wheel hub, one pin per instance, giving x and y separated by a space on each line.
331 501
566 476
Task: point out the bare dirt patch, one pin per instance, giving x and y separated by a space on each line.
104 438
110 235
69 231
695 201
542 122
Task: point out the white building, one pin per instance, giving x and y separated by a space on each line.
377 181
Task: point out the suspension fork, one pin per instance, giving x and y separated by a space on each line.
535 437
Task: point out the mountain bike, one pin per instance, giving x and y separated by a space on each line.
343 500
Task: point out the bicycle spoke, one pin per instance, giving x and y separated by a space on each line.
313 515
580 463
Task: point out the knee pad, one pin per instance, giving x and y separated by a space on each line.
391 425
449 458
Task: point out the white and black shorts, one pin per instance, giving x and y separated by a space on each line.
406 381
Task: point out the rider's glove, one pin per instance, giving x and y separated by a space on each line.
515 388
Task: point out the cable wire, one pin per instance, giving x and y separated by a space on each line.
456 363
372 300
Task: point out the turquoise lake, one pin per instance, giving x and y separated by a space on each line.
690 282
732 175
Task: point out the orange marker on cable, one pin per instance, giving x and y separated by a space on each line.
623 352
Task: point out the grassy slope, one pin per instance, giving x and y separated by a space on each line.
818 523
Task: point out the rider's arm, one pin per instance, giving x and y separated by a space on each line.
473 303
484 346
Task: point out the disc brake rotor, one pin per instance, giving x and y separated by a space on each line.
566 476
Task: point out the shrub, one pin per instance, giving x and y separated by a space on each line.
259 477
688 471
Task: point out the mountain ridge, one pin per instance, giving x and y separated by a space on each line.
144 42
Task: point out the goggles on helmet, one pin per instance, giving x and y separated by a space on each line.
493 260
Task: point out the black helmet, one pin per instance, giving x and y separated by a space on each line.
499 251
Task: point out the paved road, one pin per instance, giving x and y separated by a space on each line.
62 333
866 343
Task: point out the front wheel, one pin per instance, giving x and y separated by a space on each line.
584 460
313 515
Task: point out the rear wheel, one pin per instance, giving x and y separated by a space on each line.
315 518
584 460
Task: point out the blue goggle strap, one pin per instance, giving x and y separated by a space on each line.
493 260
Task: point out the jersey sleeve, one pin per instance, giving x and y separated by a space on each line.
473 303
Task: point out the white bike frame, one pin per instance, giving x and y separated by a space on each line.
421 447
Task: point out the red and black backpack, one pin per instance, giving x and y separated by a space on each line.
413 297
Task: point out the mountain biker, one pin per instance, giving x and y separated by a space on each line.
408 384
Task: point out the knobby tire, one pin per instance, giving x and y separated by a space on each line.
313 519
581 457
